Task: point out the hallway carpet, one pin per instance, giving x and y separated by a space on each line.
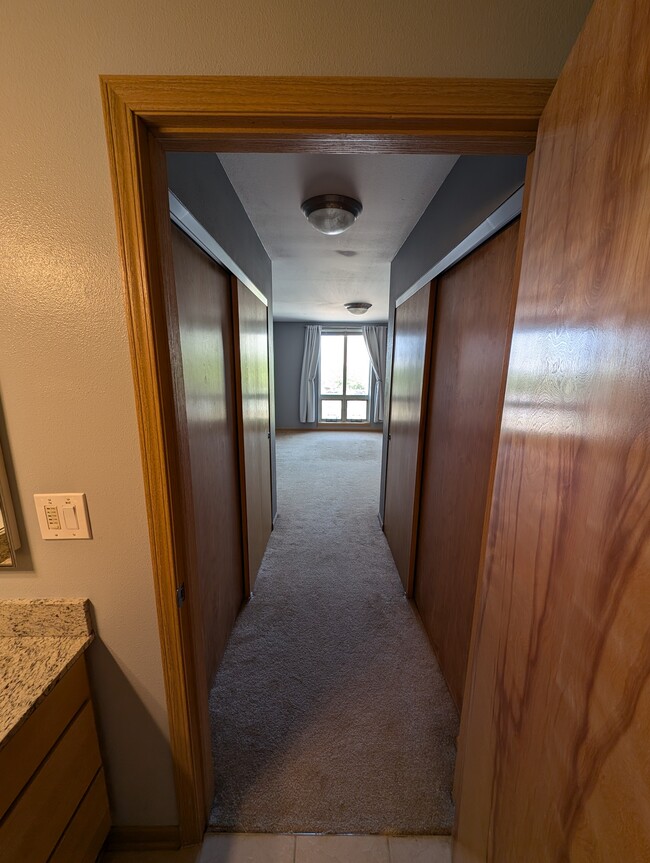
329 711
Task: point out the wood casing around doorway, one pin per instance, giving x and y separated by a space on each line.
144 117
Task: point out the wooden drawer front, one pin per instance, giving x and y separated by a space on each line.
25 751
86 832
41 814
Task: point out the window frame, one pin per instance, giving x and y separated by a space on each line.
344 397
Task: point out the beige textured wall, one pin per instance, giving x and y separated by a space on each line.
65 379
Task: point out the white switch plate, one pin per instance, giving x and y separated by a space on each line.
58 513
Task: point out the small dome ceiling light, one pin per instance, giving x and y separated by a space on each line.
331 214
358 308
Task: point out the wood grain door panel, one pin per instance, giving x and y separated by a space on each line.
251 324
471 337
556 735
409 384
206 345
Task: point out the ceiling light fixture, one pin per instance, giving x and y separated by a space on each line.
331 214
358 308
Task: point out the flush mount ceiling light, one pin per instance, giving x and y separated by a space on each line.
331 214
357 308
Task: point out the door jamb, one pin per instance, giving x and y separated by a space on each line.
145 116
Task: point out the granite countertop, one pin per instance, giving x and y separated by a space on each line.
40 639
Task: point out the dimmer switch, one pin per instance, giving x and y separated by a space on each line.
52 517
63 516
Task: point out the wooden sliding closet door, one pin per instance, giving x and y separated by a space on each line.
555 750
471 339
405 429
207 359
252 358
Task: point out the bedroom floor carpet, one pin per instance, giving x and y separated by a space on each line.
329 711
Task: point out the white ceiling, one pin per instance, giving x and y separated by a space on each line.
314 275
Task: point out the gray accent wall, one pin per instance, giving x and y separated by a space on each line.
202 186
475 187
289 341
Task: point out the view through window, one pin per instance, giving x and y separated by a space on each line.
344 378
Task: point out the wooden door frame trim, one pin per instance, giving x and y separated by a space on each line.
145 116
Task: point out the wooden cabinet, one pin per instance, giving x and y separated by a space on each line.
53 801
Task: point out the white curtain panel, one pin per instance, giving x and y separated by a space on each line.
376 338
310 360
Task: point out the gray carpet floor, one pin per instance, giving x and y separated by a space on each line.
329 711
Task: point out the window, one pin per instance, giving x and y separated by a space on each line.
344 378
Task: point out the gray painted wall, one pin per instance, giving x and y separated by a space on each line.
199 181
475 187
201 184
289 341
473 190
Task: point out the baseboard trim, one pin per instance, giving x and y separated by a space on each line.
349 427
154 838
333 428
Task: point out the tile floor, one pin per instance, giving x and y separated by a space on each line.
266 848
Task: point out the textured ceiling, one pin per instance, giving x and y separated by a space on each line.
314 275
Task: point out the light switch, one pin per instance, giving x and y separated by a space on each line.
70 518
63 516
